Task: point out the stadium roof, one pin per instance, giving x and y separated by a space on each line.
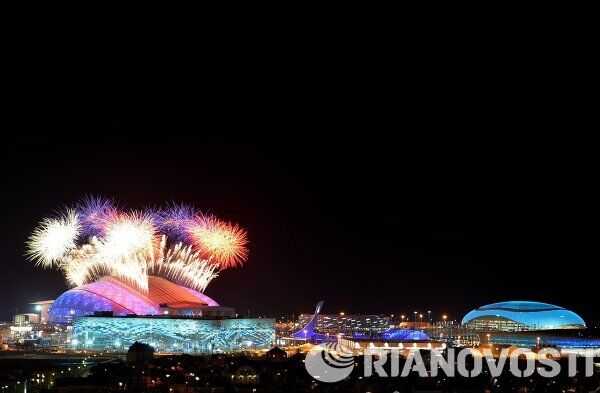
112 294
531 315
521 306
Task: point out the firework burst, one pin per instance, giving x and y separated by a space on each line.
221 242
176 243
81 265
174 220
53 239
127 234
93 213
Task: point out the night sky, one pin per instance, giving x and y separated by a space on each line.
374 209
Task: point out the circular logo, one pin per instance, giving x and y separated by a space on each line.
330 363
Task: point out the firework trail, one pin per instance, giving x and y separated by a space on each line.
185 267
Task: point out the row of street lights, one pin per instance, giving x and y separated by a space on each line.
418 317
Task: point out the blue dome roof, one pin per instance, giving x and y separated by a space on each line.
519 306
529 315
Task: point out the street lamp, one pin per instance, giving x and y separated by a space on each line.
38 308
429 320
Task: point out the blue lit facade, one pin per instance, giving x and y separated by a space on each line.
404 335
99 296
522 316
308 331
530 340
178 335
112 295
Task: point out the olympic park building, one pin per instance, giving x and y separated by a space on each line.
531 324
109 314
522 316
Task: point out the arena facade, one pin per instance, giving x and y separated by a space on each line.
522 316
112 295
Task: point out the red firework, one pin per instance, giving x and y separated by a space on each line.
221 242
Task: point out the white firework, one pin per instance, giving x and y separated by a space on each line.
178 264
80 266
92 261
127 235
185 267
53 239
130 247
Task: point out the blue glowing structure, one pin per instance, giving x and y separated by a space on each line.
112 295
522 315
99 296
530 340
177 335
404 335
308 331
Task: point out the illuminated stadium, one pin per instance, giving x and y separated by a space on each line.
147 262
522 316
139 275
173 334
110 294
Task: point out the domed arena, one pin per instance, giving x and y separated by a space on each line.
109 294
153 261
522 316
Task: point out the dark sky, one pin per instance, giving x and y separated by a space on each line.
375 205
